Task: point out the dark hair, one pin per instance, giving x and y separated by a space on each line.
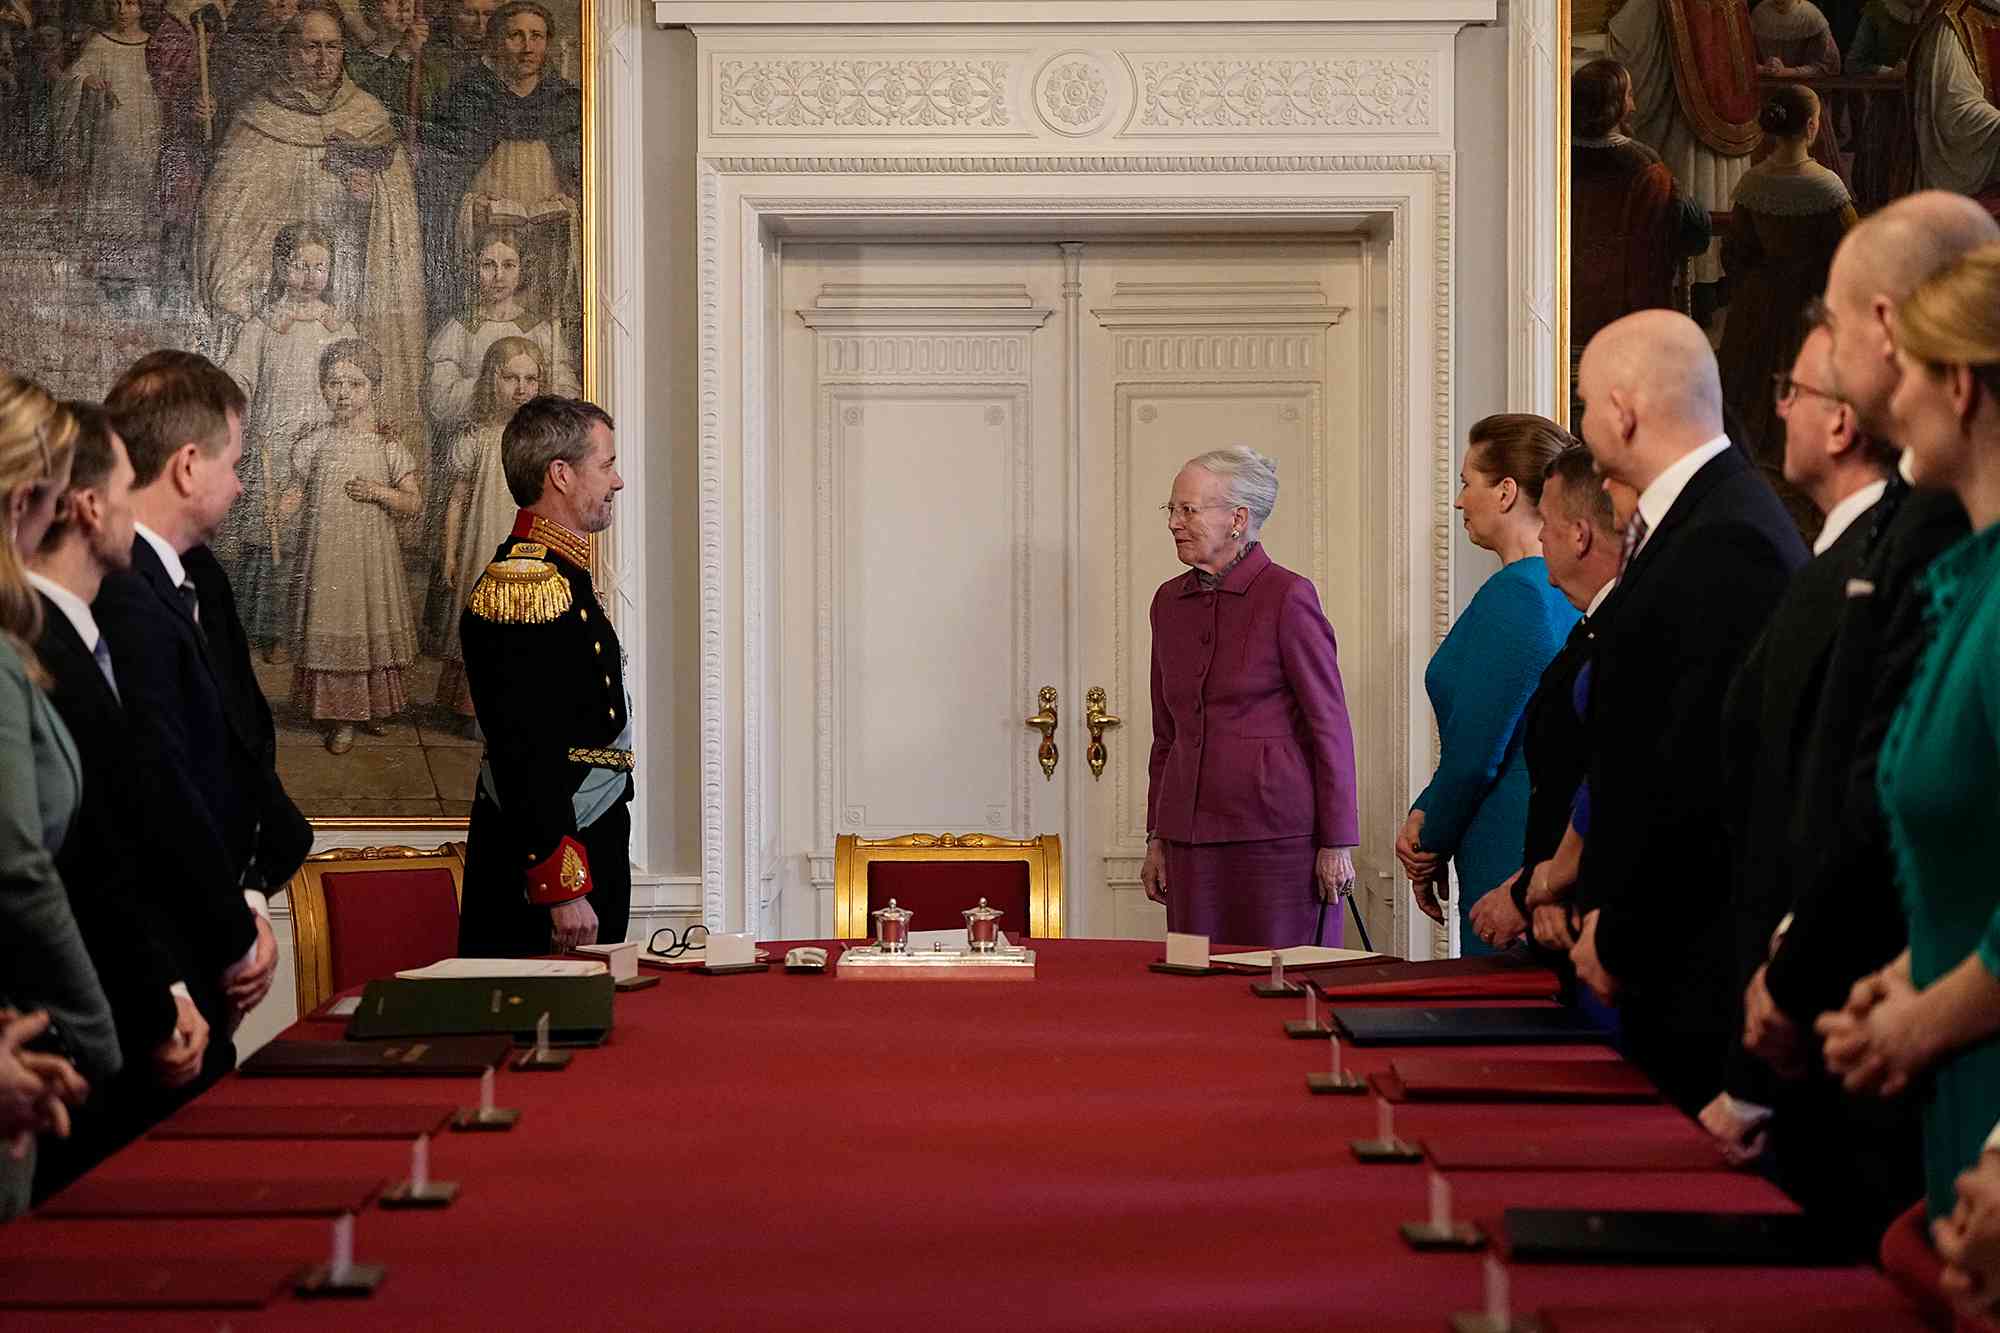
292 238
167 400
1517 447
497 25
1583 495
543 430
1788 110
365 358
90 463
1597 98
527 292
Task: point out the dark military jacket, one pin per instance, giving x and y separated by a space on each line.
548 684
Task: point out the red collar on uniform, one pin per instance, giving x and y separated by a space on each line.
571 546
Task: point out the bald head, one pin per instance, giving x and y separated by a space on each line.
1880 262
1650 394
1907 241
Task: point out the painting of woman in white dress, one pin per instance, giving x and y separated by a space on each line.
276 364
109 132
353 635
480 509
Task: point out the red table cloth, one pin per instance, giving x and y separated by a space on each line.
1105 1148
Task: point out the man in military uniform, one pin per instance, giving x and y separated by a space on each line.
547 859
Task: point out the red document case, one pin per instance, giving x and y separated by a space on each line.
1523 1081
1495 978
92 1197
304 1122
141 1284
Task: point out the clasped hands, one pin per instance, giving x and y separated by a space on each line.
1878 1041
1333 872
1425 869
36 1090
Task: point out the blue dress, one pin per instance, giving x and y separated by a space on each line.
1479 682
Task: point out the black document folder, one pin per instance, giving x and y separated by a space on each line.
579 1008
451 1057
1583 1235
1430 1025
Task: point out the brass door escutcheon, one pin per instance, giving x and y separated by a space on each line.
1097 720
1045 722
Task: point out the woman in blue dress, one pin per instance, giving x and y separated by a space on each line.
1474 813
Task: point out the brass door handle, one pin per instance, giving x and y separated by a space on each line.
1097 720
1045 722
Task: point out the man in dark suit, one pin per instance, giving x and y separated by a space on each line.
1772 708
215 810
1580 543
1846 917
1712 550
135 939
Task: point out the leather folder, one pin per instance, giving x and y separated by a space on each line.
142 1284
444 1057
304 1122
1497 977
1692 1152
1603 1236
1473 1080
91 1197
1448 1026
579 1008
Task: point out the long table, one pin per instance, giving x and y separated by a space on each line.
1102 1148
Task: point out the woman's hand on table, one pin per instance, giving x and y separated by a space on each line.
1153 872
1333 873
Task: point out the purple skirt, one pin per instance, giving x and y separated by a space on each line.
1256 894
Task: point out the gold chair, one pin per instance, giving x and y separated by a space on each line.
939 875
359 913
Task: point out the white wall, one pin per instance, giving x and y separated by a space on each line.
1480 339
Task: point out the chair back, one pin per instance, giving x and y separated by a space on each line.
359 913
938 875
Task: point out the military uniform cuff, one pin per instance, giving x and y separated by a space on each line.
563 877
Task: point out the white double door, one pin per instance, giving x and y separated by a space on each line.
976 441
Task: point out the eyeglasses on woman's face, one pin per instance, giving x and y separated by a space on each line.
1186 512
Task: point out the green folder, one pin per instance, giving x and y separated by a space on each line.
579 1008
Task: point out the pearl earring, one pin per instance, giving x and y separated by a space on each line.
1234 534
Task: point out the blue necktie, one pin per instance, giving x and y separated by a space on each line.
102 654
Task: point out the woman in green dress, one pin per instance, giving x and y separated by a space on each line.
1936 1010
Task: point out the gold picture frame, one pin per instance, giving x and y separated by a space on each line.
134 164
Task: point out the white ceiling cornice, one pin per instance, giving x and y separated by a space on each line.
1238 14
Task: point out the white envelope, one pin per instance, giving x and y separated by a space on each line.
1187 950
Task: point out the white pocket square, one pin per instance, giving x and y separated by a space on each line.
1860 588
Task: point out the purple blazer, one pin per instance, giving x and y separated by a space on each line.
1250 733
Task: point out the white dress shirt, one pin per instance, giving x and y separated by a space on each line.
1598 600
74 609
1841 517
1657 500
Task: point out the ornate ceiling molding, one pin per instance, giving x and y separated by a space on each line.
1203 13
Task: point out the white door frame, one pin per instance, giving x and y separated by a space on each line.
745 208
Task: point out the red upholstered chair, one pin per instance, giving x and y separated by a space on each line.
359 913
939 875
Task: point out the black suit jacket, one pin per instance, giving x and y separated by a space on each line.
1768 715
1656 864
199 807
136 946
1847 918
284 836
1555 744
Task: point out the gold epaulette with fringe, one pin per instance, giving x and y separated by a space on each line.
520 591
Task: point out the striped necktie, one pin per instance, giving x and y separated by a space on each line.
1635 536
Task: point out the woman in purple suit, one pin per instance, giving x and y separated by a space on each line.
1250 810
